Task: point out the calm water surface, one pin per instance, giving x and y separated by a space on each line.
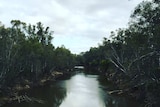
79 91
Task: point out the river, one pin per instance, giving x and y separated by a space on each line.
80 90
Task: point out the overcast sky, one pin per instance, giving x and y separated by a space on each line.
77 24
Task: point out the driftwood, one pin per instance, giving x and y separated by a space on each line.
25 98
115 92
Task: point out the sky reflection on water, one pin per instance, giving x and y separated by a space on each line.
83 91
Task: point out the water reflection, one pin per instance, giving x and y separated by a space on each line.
79 91
83 91
114 100
52 95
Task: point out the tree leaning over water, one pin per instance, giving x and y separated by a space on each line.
132 57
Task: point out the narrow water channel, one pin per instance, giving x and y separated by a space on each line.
79 91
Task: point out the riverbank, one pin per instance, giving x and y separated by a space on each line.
15 93
144 92
82 86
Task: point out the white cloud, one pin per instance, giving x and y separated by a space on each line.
78 24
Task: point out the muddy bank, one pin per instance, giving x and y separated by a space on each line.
16 92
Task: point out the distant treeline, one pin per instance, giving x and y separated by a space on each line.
131 59
26 52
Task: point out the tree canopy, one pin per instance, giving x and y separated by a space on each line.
27 52
132 57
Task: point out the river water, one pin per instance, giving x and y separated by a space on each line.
80 90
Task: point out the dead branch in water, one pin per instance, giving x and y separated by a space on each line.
25 98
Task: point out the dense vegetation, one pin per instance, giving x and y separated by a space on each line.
131 59
26 53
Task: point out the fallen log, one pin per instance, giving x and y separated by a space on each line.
115 92
25 98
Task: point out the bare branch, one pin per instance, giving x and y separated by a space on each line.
121 69
141 57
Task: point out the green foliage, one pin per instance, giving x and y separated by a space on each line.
132 57
64 59
26 52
